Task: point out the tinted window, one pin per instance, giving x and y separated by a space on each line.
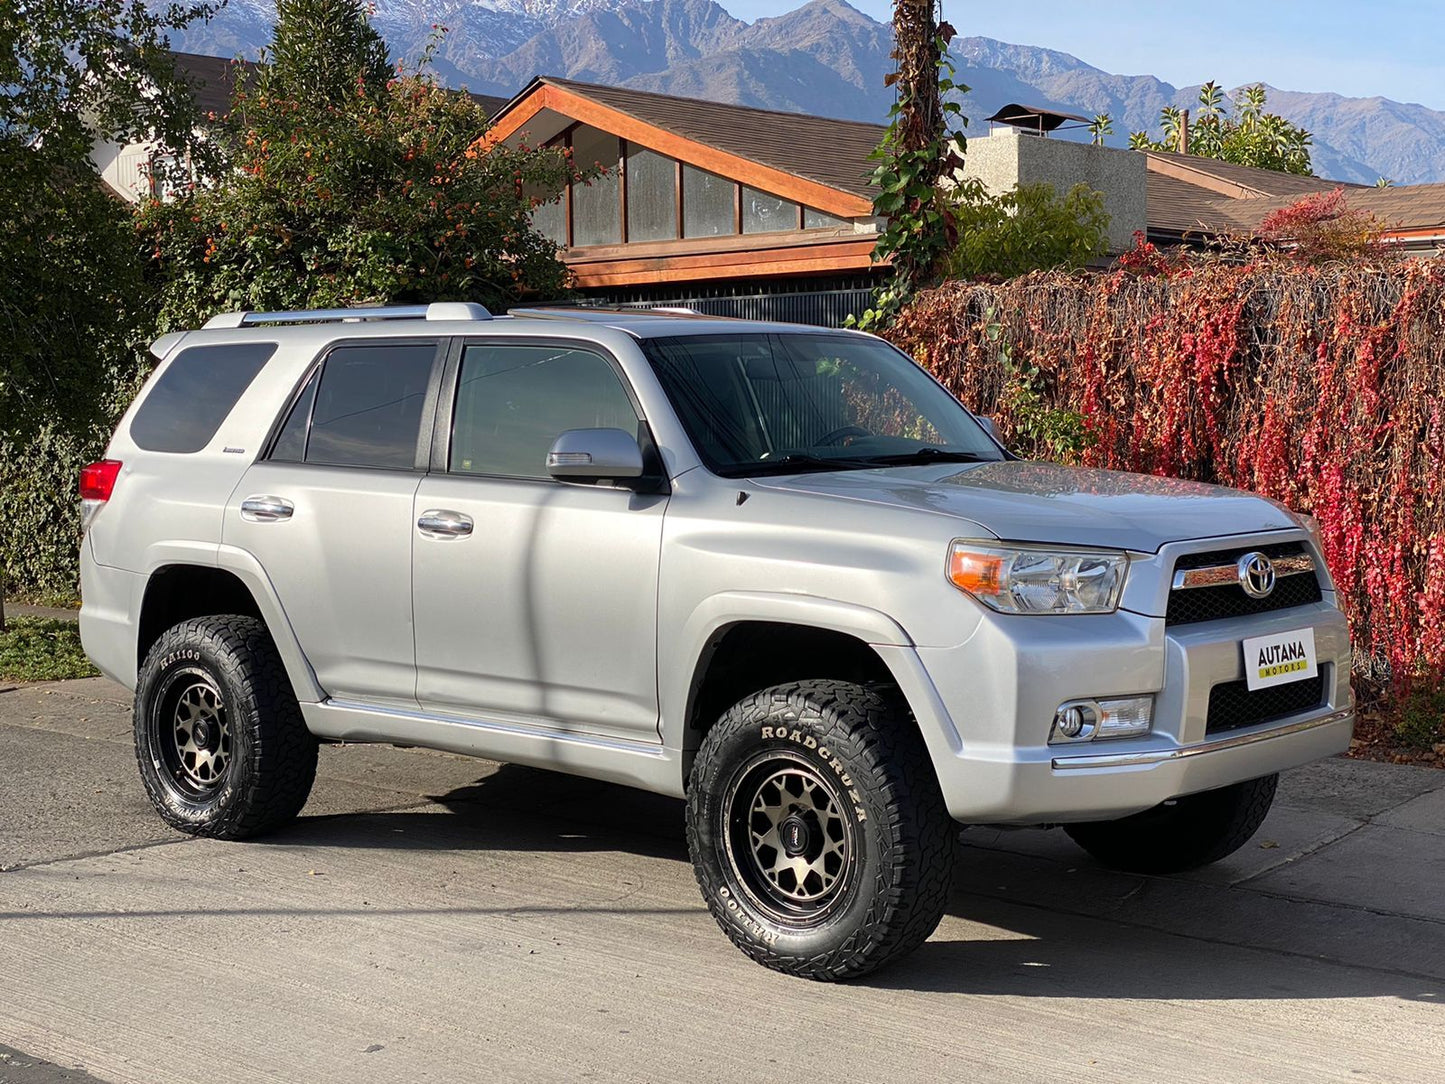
762 403
290 446
514 401
193 396
368 406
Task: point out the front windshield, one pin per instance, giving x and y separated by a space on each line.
777 403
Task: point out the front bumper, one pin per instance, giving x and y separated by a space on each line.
986 709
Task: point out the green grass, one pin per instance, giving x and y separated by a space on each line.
42 649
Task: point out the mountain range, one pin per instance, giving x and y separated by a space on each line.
825 57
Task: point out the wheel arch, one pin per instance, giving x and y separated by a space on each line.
741 642
178 589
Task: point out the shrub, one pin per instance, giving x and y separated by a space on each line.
1322 387
1322 226
1029 228
42 649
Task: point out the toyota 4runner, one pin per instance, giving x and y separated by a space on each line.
776 570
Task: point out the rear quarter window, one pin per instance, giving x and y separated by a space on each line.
192 397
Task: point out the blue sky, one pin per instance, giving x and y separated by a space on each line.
1387 47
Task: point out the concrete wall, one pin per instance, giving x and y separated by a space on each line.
1006 157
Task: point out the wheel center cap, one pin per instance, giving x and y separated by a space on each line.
795 835
201 734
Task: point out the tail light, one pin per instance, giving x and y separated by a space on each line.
97 482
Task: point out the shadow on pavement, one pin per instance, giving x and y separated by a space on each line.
514 809
1050 930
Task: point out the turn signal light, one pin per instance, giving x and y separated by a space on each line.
977 573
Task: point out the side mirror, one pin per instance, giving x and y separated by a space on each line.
591 455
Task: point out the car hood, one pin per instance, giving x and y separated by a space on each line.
1043 502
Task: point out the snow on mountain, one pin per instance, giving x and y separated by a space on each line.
825 57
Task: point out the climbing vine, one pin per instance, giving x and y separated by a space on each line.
1321 386
918 150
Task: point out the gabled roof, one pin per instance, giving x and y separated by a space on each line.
211 79
1178 205
817 161
1191 194
1238 182
1409 208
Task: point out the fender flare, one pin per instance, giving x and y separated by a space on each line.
246 568
678 670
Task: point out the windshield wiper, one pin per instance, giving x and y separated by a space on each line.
797 463
929 455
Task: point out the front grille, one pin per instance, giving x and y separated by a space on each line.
1232 706
1187 606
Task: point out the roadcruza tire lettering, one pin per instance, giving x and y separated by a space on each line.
864 745
273 758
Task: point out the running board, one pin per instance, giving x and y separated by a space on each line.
646 765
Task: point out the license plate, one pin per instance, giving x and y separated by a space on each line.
1279 659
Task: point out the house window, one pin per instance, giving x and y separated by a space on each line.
549 219
596 207
707 204
763 213
651 196
814 220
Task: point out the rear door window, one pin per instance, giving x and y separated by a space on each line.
364 409
194 394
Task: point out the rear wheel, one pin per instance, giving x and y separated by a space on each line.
1180 834
221 745
817 829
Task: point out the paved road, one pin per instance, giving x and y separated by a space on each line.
436 918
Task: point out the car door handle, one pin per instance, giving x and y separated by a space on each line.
443 523
266 509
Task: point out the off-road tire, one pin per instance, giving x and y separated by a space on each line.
1182 834
264 761
863 748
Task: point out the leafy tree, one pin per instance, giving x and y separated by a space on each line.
1247 135
1028 228
348 184
71 298
324 49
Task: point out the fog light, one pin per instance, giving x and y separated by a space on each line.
1087 720
1075 720
1125 718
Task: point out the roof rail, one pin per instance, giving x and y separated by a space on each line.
598 313
437 310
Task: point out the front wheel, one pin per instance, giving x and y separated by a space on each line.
1183 833
818 831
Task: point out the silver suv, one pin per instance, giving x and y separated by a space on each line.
776 570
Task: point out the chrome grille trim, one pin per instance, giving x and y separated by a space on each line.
1224 575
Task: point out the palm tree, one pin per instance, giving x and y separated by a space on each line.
1100 126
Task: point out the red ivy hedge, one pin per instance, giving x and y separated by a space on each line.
1319 386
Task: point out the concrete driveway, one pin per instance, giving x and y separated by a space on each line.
437 918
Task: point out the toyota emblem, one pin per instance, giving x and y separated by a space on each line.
1256 575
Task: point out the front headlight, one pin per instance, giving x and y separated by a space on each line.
1033 580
